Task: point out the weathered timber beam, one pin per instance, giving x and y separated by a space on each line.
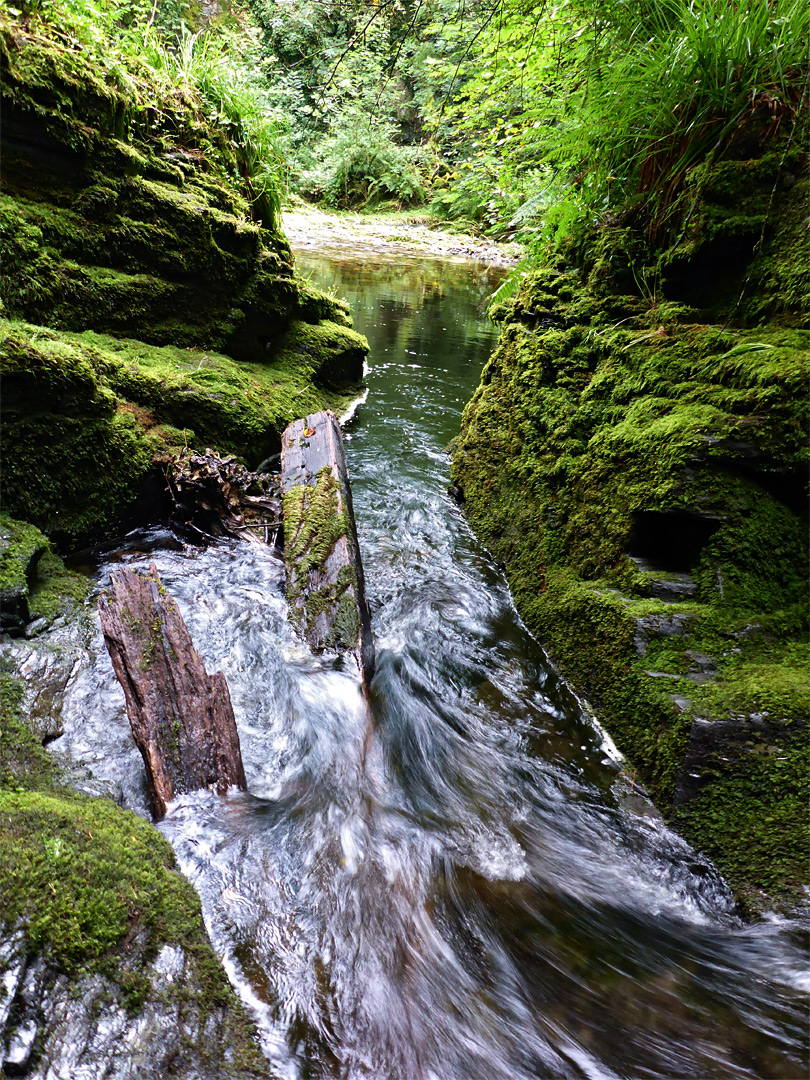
181 717
325 587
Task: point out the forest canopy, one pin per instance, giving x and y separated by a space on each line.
522 118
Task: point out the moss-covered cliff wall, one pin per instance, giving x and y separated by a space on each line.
143 305
636 456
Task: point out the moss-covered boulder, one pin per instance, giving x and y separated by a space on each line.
636 455
85 416
123 211
35 585
103 949
143 305
21 548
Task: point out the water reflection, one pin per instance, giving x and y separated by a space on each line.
464 896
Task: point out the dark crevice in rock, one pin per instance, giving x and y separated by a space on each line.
670 540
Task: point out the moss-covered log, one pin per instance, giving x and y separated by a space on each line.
325 585
181 717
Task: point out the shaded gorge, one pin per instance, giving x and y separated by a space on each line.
479 890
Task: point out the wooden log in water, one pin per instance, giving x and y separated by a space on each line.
325 587
181 717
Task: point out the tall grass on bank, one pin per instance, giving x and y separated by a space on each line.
682 81
128 40
237 104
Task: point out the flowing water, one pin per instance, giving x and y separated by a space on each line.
476 893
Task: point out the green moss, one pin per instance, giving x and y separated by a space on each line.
111 867
57 589
607 403
346 629
738 254
85 414
123 212
312 520
23 761
315 305
339 600
34 582
71 453
21 548
591 632
239 407
96 889
763 676
332 352
123 204
80 873
750 221
313 523
133 220
752 817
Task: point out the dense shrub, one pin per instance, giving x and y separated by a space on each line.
362 163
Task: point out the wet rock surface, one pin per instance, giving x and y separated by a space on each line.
60 1028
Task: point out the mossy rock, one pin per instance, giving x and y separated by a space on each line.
72 453
131 220
21 548
35 585
159 310
93 901
85 415
617 440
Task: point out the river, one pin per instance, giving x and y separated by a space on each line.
478 892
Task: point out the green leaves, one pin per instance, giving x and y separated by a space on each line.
362 163
562 114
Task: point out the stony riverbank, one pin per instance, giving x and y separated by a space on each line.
390 235
636 456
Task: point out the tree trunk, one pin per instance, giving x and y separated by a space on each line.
181 717
325 587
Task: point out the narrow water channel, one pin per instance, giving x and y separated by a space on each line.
478 894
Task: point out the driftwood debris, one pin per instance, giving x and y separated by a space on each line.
325 587
181 717
215 497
